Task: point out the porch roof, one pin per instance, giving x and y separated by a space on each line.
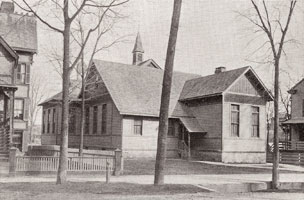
294 121
8 87
192 125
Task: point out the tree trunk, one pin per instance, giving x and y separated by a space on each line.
275 166
165 97
82 108
63 160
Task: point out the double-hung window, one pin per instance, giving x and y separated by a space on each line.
255 121
18 109
235 120
138 126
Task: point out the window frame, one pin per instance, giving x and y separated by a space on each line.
23 76
20 110
104 119
95 120
237 123
54 121
48 120
87 121
171 128
253 126
138 127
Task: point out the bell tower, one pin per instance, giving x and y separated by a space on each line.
138 51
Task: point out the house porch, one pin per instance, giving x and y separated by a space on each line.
6 119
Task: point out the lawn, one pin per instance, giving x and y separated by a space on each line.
183 167
89 190
125 191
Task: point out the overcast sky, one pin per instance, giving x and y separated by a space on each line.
211 34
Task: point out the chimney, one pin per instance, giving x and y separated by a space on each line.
220 69
7 7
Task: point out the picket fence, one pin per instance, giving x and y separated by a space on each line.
50 164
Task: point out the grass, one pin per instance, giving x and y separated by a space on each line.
98 188
182 167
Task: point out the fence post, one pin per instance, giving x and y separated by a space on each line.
12 161
118 162
108 172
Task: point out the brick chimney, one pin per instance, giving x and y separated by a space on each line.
220 69
7 7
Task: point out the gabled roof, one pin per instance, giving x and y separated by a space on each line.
149 63
218 83
8 49
293 89
210 85
19 31
138 45
136 90
74 90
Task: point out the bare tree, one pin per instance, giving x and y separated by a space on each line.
268 27
62 11
165 97
37 93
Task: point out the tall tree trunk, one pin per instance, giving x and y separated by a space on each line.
82 107
63 160
165 97
275 166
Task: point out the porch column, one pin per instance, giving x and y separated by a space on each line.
11 116
189 148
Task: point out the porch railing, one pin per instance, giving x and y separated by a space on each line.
291 145
4 139
285 157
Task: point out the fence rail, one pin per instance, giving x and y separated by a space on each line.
111 163
295 158
50 164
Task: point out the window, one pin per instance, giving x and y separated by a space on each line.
87 121
18 109
137 126
23 73
171 128
43 122
54 120
104 119
303 108
72 121
49 121
255 121
95 112
235 120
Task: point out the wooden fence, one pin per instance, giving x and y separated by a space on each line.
75 163
50 164
288 157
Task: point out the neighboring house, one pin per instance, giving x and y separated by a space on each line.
19 32
219 117
296 122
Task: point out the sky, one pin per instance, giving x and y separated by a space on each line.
212 33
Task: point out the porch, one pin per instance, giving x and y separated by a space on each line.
6 119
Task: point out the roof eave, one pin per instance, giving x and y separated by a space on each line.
201 97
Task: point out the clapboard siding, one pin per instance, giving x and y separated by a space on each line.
145 145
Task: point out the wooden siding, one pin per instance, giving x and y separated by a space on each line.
246 86
145 145
244 148
209 115
297 102
95 86
239 98
92 140
6 66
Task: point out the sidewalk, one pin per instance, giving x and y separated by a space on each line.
285 167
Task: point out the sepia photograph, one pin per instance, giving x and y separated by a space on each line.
151 99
